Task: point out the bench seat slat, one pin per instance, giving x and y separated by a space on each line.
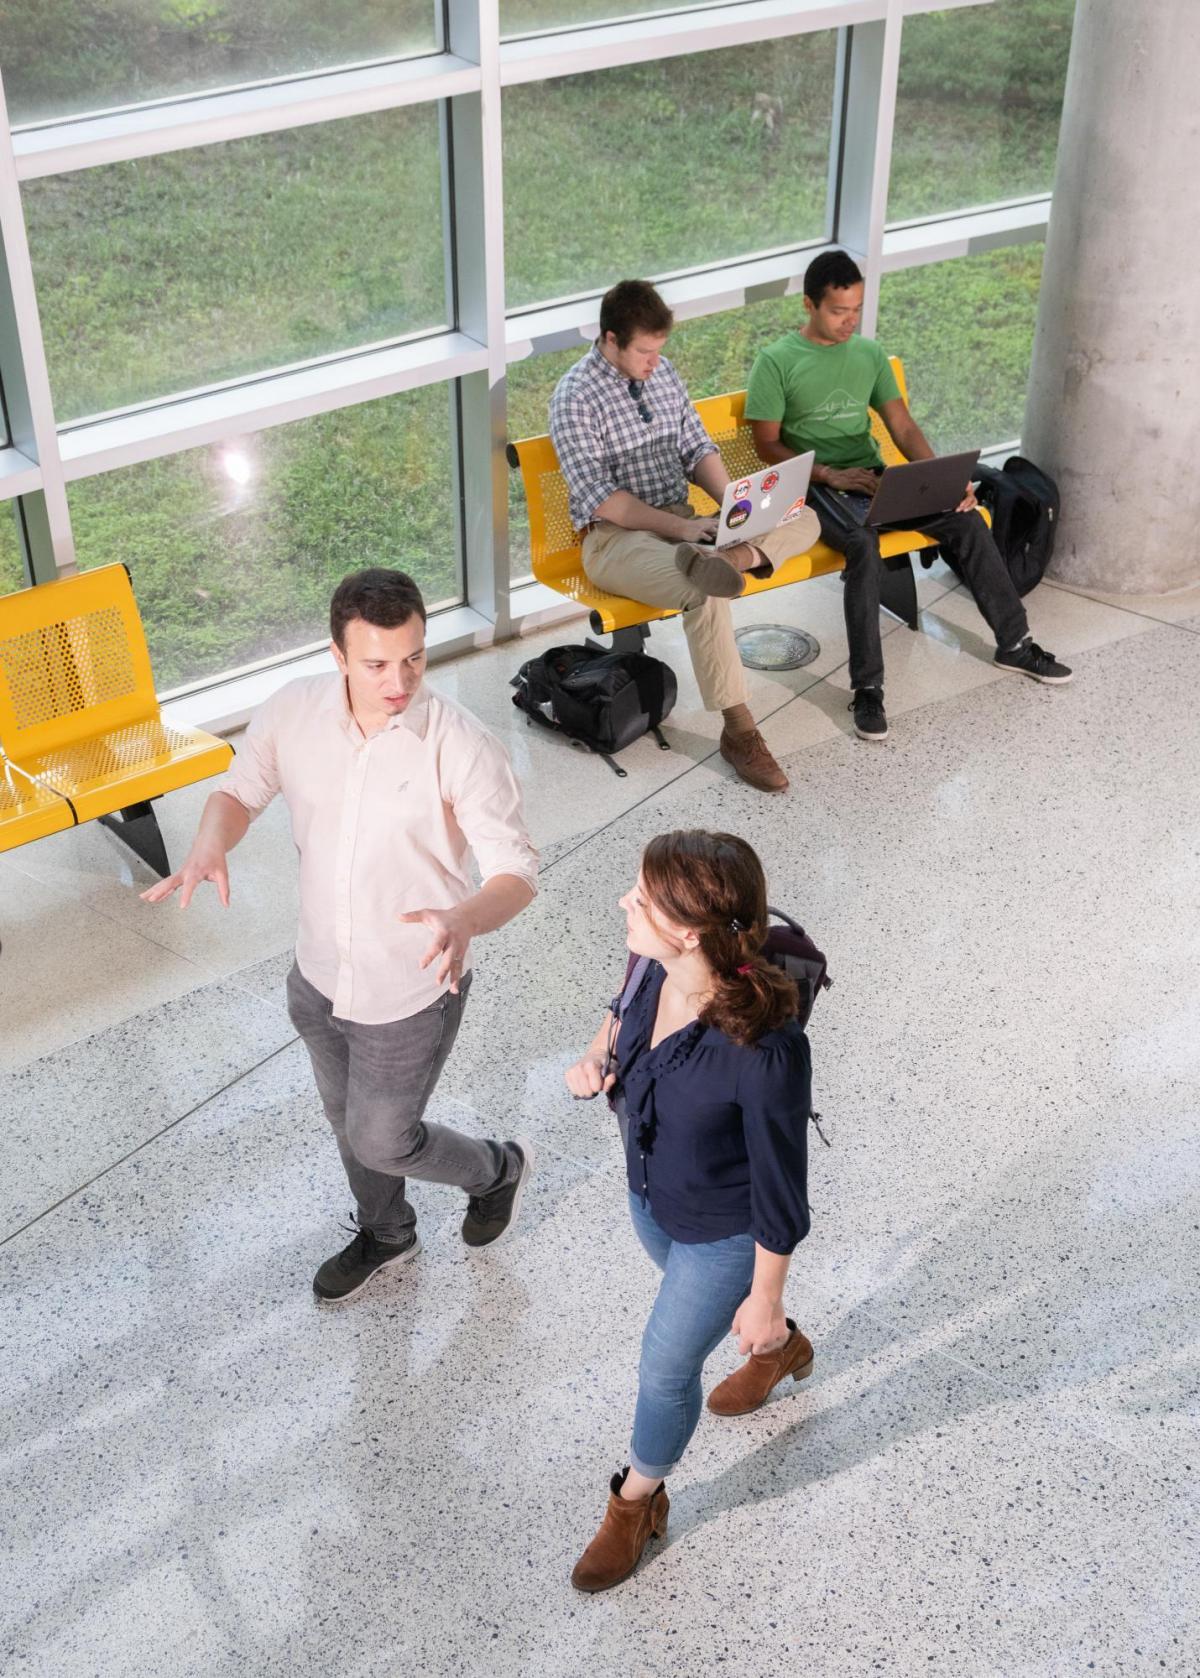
107 772
28 811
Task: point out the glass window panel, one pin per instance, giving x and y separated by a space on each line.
61 57
12 566
236 548
176 271
526 17
978 105
965 332
658 167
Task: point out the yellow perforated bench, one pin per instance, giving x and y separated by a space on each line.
556 549
81 734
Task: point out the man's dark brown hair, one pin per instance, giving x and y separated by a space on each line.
633 306
385 598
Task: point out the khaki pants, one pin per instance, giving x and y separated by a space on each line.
641 566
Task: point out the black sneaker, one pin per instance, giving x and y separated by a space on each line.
1031 660
870 718
490 1215
343 1275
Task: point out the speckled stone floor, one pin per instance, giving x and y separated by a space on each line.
993 1471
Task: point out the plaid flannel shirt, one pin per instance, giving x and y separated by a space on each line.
604 444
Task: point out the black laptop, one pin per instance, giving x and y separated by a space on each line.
921 490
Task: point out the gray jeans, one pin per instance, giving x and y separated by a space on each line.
375 1082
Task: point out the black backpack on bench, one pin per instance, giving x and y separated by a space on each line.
602 702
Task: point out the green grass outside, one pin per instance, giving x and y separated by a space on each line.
224 575
12 572
170 272
663 166
65 56
978 105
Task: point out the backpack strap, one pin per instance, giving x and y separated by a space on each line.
635 972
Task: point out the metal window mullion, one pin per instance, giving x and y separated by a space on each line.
474 223
43 520
870 73
96 140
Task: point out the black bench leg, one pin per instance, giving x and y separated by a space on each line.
629 640
898 589
138 828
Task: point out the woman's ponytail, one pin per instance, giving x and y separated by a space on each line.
714 883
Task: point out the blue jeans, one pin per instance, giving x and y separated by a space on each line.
703 1284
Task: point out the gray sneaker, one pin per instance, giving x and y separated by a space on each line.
489 1216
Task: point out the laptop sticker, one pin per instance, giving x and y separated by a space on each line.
769 482
742 489
738 514
794 511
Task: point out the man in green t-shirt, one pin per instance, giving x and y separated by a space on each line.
814 389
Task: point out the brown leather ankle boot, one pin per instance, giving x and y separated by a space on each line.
748 1386
627 1527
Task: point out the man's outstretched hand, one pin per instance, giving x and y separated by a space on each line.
195 871
451 935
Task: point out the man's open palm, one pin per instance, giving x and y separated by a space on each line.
193 873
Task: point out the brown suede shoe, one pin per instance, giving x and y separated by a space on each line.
709 570
626 1529
753 762
748 1386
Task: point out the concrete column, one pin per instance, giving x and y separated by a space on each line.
1113 410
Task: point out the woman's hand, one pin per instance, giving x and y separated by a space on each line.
760 1325
587 1078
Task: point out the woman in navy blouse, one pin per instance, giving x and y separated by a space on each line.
709 1070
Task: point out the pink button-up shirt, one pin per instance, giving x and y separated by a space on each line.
382 826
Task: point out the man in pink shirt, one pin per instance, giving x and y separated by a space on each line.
389 786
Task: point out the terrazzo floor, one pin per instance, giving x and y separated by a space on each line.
992 1473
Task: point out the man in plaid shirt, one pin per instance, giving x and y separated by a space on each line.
629 442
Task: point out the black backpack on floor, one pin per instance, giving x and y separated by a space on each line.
1024 505
600 701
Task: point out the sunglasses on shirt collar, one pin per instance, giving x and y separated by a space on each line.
636 386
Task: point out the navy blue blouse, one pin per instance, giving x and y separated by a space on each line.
717 1136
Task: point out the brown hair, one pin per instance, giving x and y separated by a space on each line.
379 596
713 884
633 306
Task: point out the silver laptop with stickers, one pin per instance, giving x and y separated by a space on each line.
763 501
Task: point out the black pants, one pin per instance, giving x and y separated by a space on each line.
965 535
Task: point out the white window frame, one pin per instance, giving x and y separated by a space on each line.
465 81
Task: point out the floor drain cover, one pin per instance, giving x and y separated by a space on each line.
773 646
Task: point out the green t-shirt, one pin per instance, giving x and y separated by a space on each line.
821 393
